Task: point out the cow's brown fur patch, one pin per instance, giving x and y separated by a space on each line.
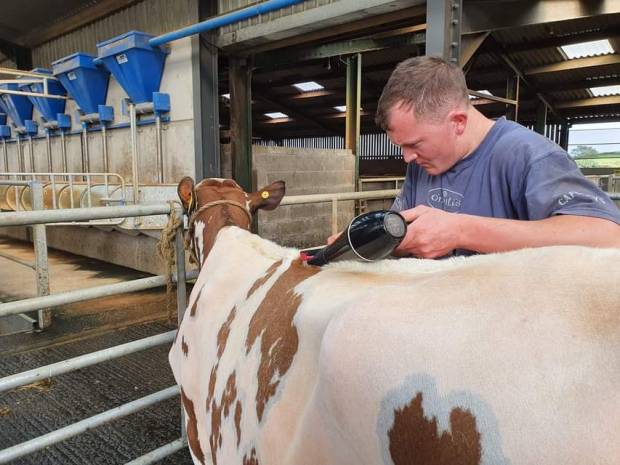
229 396
414 440
192 311
222 334
273 320
184 346
238 421
251 460
264 278
192 428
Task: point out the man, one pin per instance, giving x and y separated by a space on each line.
475 185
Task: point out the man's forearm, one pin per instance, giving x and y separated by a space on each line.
488 235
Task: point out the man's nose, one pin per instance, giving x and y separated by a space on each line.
409 155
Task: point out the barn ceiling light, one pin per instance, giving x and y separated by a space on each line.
276 115
308 86
341 108
605 90
226 96
587 49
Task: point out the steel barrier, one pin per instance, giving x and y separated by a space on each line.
39 219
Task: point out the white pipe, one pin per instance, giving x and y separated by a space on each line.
135 163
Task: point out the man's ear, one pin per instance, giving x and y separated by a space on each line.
268 197
185 190
458 118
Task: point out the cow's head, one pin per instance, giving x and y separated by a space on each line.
215 203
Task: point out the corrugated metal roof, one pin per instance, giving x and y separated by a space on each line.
152 16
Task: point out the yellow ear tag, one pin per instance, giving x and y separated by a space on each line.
264 194
190 203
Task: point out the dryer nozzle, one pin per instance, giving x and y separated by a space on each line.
370 236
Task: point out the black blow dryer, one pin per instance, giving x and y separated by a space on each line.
370 236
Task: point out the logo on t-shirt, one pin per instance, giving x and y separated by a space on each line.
445 199
580 196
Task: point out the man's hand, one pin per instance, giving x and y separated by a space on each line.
333 237
431 233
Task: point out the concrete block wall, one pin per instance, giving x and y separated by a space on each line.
305 171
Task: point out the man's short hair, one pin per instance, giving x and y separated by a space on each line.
429 85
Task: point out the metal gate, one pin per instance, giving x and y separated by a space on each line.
40 218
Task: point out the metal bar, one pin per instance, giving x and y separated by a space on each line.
353 109
158 147
80 295
82 214
179 243
33 94
6 155
17 260
63 147
443 29
85 154
76 363
48 146
74 429
223 20
614 195
14 183
313 198
160 453
104 147
240 85
17 72
31 153
39 240
492 97
135 163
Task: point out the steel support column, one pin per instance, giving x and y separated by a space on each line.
206 98
512 92
353 111
564 135
240 82
541 118
443 29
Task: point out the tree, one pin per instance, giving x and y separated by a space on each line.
583 151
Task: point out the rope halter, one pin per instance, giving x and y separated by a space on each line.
189 238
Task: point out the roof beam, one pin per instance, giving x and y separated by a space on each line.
346 47
490 15
567 39
508 62
307 20
263 94
590 102
577 63
86 16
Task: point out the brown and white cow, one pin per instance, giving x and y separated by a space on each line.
500 359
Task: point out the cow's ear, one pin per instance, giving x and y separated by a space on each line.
186 193
268 197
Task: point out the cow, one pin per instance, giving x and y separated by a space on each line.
499 359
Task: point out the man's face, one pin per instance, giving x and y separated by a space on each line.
430 144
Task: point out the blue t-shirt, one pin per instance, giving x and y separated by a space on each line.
514 173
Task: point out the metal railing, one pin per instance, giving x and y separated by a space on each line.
338 197
39 219
64 190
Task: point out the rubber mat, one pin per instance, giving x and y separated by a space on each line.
31 411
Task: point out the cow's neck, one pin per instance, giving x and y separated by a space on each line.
207 227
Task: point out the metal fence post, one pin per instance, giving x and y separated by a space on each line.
40 255
181 288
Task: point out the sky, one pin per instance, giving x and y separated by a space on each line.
604 137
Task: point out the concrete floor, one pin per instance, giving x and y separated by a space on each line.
80 328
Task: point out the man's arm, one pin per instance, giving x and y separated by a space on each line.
435 233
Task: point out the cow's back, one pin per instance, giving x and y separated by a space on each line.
509 358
